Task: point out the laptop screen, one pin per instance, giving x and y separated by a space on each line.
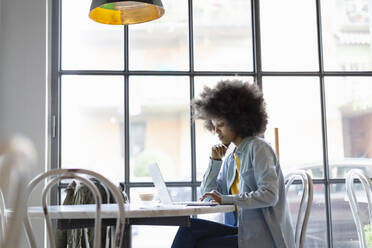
159 183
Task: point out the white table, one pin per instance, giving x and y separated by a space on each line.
131 211
78 216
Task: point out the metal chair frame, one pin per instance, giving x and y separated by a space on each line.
108 228
59 174
2 217
305 204
366 183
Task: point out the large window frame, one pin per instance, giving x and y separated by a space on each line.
257 74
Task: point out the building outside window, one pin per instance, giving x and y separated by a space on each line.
121 96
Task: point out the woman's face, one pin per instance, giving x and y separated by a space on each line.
225 134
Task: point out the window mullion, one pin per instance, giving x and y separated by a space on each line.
126 112
256 34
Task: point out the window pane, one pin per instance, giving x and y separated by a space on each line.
160 127
223 35
349 120
92 120
346 35
343 226
293 106
316 232
289 35
86 44
203 138
161 44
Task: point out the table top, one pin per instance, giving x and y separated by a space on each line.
133 210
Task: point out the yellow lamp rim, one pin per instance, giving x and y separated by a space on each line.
148 11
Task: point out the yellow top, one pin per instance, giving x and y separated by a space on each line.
235 186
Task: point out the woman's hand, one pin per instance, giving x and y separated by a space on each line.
213 194
218 151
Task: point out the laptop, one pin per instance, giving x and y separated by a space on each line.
163 192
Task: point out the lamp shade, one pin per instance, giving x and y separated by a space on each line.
125 12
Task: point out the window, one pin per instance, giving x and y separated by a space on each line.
121 95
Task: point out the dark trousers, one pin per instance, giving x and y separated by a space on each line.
206 234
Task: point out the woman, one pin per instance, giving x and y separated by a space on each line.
250 177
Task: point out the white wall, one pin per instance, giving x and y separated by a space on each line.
1 17
23 75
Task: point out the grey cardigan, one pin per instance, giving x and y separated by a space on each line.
264 218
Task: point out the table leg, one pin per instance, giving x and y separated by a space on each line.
127 239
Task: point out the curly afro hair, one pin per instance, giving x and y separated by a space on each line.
239 103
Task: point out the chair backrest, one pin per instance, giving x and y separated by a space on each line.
366 183
55 176
305 204
17 158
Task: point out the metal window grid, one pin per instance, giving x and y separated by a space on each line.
257 74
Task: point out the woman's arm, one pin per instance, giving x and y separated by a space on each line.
212 179
262 177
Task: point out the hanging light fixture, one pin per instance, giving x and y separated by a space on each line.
118 12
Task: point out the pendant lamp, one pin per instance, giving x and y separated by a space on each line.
118 12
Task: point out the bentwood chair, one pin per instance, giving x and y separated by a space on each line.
17 157
366 183
55 176
108 228
305 204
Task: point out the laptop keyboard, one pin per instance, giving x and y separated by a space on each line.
195 203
